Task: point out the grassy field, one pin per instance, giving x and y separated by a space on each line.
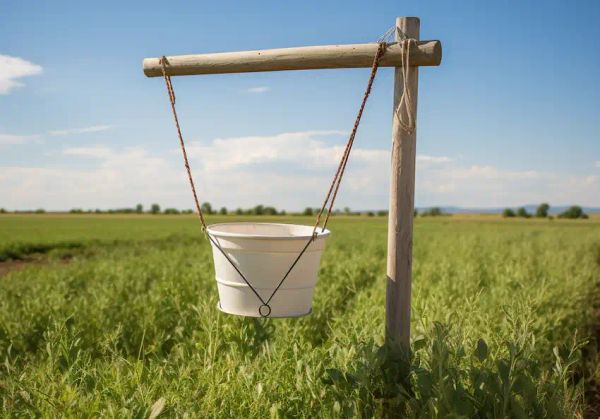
119 315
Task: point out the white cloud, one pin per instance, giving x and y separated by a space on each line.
433 159
300 148
95 151
119 178
73 131
14 139
597 164
12 69
292 170
490 186
258 89
10 139
288 170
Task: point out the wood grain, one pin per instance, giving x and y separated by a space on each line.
426 53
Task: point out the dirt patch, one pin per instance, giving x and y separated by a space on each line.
12 265
9 266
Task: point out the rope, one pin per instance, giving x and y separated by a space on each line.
408 125
265 309
388 35
337 179
171 92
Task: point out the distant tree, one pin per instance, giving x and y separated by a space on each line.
508 213
308 211
139 208
573 212
382 213
223 211
416 213
76 211
206 208
239 211
347 210
542 210
522 212
2 211
433 212
370 213
40 211
270 211
258 210
171 211
155 209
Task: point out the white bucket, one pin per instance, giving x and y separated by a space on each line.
264 252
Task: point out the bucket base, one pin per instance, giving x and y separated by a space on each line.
259 316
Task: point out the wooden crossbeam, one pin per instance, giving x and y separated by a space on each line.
422 53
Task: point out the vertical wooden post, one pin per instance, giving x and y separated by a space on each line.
402 192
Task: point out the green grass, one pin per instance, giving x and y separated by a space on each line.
501 310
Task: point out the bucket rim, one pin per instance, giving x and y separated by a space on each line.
212 232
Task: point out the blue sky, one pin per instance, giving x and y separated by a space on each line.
509 118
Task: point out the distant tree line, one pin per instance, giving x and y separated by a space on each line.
542 211
431 212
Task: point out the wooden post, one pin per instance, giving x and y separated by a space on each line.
402 191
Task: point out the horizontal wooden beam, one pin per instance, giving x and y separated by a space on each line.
422 53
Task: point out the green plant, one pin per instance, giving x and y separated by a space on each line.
542 210
131 323
155 209
508 213
433 212
573 212
206 208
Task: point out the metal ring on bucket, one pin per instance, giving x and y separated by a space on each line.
260 310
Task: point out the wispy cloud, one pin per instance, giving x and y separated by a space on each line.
433 159
12 69
258 89
73 131
10 139
95 151
597 164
